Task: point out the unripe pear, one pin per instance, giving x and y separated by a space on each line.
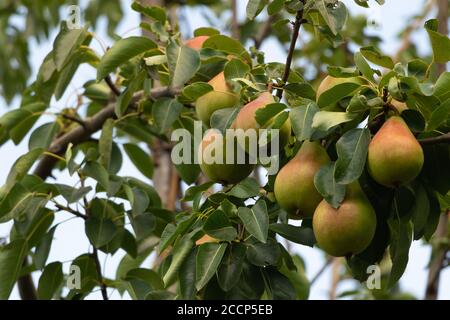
294 185
220 98
214 147
394 157
245 119
196 43
349 229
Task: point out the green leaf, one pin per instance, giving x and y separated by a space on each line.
352 150
43 249
335 16
275 6
11 261
441 87
50 281
165 111
97 172
372 54
439 116
194 91
67 41
302 90
301 235
401 235
180 252
122 51
235 68
127 96
142 161
230 269
209 256
254 8
264 254
414 119
43 136
337 93
256 220
183 63
363 66
228 45
219 227
186 277
20 168
325 120
222 119
420 211
332 192
100 231
105 143
302 119
153 12
28 115
71 194
278 286
268 112
440 43
247 188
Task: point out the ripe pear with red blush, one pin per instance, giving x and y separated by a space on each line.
246 120
215 164
221 97
294 185
346 230
395 157
196 43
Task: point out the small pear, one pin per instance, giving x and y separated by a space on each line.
294 185
196 43
395 157
220 98
245 119
212 155
349 229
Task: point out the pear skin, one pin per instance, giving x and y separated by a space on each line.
214 147
394 157
196 43
221 97
245 119
349 229
294 185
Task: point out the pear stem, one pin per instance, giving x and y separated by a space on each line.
297 24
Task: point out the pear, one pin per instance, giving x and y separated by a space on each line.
349 229
394 157
245 119
196 43
214 147
220 98
294 185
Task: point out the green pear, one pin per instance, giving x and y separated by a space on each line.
212 155
245 119
394 157
294 185
221 97
349 229
196 43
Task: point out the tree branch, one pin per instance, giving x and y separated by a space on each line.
112 86
445 138
234 20
297 24
264 32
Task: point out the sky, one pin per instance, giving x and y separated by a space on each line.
70 240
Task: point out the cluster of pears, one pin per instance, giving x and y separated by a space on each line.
341 231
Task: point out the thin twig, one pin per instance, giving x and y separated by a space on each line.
70 210
99 273
112 86
74 119
234 20
297 24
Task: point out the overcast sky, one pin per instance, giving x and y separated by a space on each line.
70 240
